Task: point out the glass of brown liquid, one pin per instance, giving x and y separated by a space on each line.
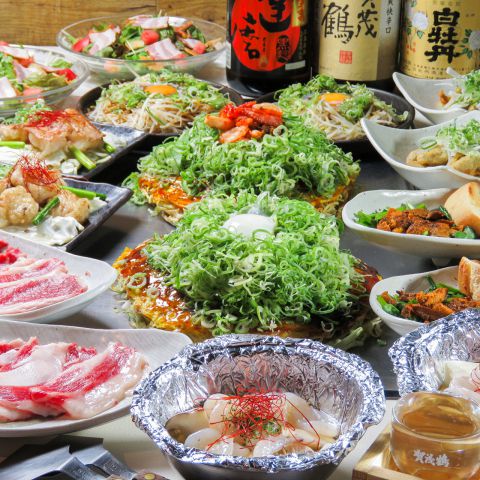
436 436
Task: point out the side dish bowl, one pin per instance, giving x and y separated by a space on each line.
394 146
155 345
423 94
44 56
336 382
418 245
119 68
409 283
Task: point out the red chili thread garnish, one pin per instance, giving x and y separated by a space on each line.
475 376
35 171
45 118
256 416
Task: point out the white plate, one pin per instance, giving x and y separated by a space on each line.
423 93
438 248
156 345
409 283
394 145
97 275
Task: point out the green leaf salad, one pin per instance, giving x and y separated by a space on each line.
260 264
164 102
293 161
337 108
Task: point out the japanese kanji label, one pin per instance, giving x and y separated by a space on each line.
438 34
267 34
358 40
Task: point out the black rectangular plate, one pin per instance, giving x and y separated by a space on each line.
116 197
131 136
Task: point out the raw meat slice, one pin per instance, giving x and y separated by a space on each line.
90 387
39 267
36 365
20 399
15 358
13 414
8 346
31 294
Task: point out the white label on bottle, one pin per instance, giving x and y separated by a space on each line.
295 65
228 54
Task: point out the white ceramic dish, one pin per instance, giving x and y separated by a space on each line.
97 275
409 283
394 145
437 248
423 93
156 345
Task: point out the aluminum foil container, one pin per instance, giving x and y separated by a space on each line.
331 380
419 357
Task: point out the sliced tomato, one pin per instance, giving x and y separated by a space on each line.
81 44
149 37
68 73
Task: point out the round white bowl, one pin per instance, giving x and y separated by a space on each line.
394 145
409 283
438 248
422 93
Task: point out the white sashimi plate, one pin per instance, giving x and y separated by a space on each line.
420 245
394 145
156 345
409 283
98 276
423 94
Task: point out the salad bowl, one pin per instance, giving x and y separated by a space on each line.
124 69
53 96
145 341
409 283
440 249
394 145
423 93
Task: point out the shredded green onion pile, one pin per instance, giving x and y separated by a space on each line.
293 160
469 86
297 98
460 139
235 283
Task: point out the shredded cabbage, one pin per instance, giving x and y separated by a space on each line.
294 160
234 283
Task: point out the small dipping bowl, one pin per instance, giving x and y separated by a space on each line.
338 383
436 436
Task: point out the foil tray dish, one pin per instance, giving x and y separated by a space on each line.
419 357
331 380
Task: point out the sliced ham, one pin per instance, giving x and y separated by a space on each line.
101 40
88 388
35 269
164 50
147 21
6 88
30 294
196 45
16 52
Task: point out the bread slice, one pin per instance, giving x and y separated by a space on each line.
469 278
464 206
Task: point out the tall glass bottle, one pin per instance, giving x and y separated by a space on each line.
268 44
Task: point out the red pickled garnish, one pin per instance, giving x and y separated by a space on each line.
45 118
35 171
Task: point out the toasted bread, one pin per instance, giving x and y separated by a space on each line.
464 206
469 278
